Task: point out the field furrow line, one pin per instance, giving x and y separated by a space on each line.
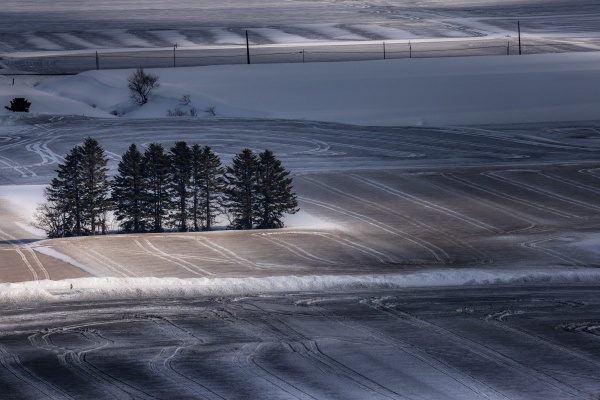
427 204
506 196
481 350
569 182
157 254
462 378
296 250
162 362
227 254
553 253
13 365
566 199
427 246
244 359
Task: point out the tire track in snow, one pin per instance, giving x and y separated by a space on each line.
227 254
494 206
553 253
427 204
24 171
19 246
244 359
469 382
438 253
501 324
89 254
296 250
483 351
509 197
477 254
12 363
310 350
377 255
76 360
42 150
162 363
497 175
155 252
569 182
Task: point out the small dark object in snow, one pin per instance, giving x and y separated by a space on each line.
19 104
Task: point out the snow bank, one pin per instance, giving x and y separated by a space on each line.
109 288
435 92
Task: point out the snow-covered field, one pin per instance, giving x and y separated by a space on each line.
448 244
57 37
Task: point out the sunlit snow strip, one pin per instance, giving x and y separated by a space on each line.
119 288
55 254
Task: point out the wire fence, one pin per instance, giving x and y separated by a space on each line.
181 57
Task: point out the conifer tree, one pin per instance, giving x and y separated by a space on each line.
155 164
95 194
180 171
240 195
54 216
129 192
212 185
274 192
196 186
67 191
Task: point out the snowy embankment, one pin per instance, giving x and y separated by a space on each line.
435 92
118 288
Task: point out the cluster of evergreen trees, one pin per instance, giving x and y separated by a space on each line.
185 188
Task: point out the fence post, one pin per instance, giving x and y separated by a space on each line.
409 50
384 50
247 48
97 61
302 56
174 47
519 29
508 48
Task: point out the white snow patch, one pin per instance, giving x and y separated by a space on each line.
223 36
42 43
387 32
126 38
334 32
174 37
278 36
108 288
49 251
68 37
304 220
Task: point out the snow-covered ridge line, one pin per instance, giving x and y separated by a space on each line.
116 288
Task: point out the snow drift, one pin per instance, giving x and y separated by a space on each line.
117 288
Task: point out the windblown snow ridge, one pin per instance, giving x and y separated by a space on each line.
119 288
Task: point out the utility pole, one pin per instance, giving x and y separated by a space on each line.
247 48
97 61
174 47
519 28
